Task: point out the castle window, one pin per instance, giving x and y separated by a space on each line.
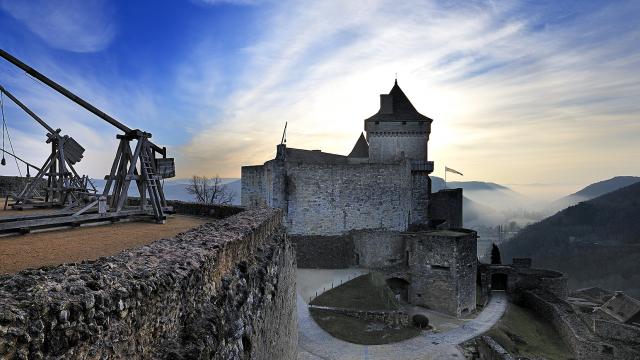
407 258
404 123
377 122
440 267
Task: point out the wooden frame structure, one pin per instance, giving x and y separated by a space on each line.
139 164
65 188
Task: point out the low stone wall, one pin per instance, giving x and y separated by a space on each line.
324 252
389 317
15 184
224 290
573 331
217 211
489 349
522 278
617 331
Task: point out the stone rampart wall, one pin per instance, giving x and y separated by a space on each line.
224 290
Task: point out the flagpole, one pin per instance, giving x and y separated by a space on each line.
445 176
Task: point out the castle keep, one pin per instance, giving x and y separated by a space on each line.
374 208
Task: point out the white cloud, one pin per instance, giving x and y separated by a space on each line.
510 104
73 25
231 2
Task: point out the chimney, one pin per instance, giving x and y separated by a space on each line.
386 104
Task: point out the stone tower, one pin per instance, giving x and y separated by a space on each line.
397 129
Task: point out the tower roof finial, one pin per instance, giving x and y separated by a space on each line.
396 82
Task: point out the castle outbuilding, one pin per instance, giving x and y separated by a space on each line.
366 209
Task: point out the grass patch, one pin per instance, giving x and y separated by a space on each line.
366 292
522 333
359 331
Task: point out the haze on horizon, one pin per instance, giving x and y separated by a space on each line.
539 96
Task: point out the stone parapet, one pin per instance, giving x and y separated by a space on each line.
224 290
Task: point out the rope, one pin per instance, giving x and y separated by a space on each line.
6 129
3 120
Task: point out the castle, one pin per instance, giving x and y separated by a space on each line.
374 208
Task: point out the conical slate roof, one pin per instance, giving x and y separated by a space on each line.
401 108
361 149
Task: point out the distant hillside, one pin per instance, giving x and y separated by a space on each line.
597 242
477 185
592 191
487 203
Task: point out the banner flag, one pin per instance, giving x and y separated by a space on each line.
446 169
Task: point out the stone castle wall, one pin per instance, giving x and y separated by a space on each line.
224 290
443 271
324 252
333 199
447 205
252 193
379 249
420 196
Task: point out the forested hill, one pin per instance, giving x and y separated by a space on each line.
597 242
593 190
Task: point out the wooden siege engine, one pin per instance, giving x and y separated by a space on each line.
64 188
143 163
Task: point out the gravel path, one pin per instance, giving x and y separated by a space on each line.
21 252
314 343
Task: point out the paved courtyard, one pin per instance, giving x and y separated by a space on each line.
314 343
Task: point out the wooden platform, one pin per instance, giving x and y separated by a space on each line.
25 221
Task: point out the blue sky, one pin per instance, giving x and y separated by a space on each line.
531 92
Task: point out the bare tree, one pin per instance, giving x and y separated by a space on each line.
210 190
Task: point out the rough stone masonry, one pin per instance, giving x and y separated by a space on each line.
224 290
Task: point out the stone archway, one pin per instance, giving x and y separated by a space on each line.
499 281
400 287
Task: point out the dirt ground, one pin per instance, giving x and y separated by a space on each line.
21 252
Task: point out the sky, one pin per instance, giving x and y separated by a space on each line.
541 96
